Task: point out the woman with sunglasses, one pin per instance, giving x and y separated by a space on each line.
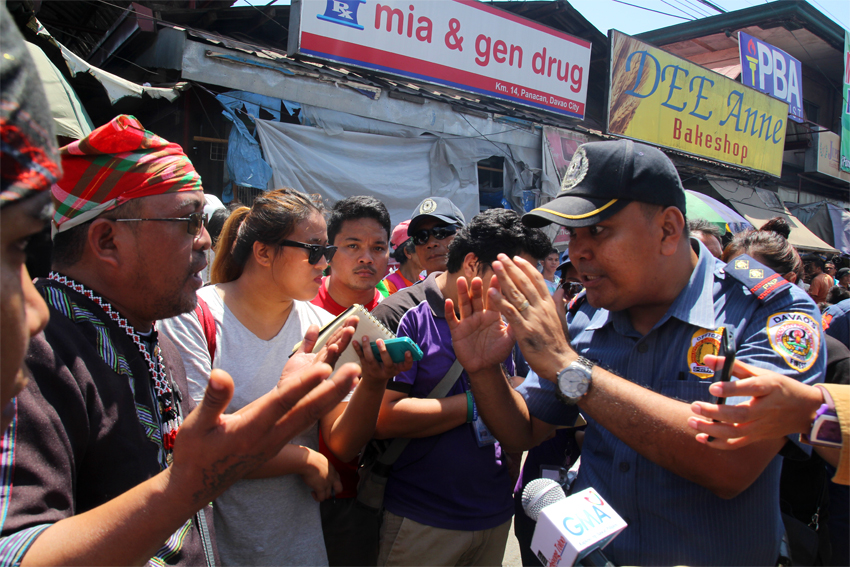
268 265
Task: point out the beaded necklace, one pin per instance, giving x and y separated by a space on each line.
171 418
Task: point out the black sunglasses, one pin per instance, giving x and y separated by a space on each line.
196 222
422 236
316 250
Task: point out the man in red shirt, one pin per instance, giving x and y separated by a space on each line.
359 227
820 282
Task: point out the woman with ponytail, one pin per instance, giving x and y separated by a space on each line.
268 266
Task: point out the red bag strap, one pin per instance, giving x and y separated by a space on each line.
202 311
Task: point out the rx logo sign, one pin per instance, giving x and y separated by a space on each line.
342 12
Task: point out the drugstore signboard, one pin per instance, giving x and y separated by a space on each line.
668 101
462 44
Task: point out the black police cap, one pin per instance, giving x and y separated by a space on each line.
604 177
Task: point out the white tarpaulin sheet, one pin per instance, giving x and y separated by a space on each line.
116 87
398 171
519 147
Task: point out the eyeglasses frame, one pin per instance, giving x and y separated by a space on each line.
190 219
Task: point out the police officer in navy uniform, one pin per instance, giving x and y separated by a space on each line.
633 356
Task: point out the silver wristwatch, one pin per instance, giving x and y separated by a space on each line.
574 381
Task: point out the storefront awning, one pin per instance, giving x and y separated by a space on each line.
758 210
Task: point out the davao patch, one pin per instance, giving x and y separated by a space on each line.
704 341
795 337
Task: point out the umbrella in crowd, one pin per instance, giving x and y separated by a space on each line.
701 206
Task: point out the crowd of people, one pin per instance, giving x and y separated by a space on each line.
159 410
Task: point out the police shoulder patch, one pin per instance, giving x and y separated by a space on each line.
759 279
795 336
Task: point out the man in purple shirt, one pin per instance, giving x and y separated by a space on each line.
448 498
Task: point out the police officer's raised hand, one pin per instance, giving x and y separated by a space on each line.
521 296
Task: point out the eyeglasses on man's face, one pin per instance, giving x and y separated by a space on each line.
422 235
315 251
196 221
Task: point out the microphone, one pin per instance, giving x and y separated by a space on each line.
538 494
570 530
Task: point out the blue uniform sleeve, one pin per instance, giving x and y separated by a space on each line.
836 321
542 403
785 335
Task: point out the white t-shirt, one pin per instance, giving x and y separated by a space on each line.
269 521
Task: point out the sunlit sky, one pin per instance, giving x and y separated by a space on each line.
646 15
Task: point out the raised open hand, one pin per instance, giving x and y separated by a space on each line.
213 450
479 336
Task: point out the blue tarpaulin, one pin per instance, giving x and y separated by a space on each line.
245 163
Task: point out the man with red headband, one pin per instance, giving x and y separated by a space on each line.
103 461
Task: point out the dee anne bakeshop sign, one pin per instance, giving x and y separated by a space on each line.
668 101
462 44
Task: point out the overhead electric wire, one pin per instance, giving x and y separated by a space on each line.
269 17
819 5
650 10
701 10
679 9
713 5
814 61
695 14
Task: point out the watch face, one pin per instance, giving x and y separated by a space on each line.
573 382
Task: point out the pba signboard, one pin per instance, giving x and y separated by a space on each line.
461 44
668 101
772 71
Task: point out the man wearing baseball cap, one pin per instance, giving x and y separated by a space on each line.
433 226
655 304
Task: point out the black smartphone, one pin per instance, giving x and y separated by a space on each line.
727 350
